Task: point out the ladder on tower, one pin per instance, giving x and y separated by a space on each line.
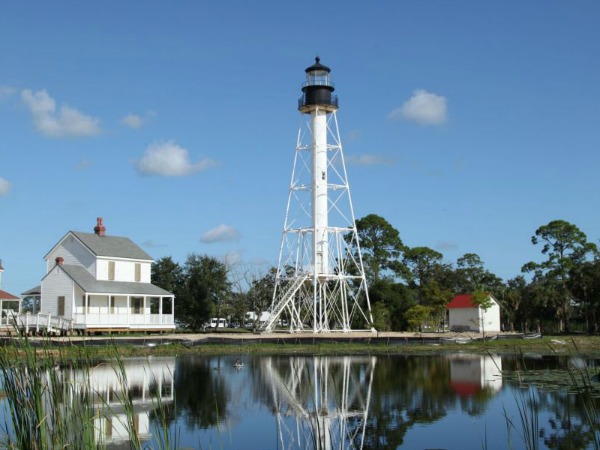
285 300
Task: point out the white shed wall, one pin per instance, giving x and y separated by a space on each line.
492 318
463 317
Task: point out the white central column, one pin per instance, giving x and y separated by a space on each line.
319 200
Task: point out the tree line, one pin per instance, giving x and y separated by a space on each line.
409 288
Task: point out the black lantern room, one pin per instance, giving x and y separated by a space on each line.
317 89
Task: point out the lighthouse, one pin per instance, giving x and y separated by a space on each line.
320 284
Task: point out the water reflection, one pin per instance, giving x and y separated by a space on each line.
342 402
327 397
315 402
472 374
144 382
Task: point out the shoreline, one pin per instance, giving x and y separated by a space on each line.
322 343
281 342
358 336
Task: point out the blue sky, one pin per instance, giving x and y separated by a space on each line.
465 124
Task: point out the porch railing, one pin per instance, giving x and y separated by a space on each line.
39 322
116 320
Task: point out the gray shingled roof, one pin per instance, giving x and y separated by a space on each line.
90 285
111 246
33 291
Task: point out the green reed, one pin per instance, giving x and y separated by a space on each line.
48 411
574 380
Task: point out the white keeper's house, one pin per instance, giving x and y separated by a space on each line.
102 283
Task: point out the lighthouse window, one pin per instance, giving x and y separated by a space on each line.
318 78
323 176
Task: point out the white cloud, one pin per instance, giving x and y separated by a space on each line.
222 233
132 121
63 123
6 91
4 186
136 121
368 160
170 160
423 107
231 259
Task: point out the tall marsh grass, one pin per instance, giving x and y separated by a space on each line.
528 426
45 410
575 380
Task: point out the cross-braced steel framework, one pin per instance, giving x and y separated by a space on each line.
320 283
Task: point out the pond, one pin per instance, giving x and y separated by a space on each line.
449 401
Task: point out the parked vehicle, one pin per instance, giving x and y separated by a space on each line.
253 319
216 322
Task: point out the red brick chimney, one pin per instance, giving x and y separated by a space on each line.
59 260
99 229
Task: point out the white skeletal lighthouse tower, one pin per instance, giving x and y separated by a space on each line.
320 284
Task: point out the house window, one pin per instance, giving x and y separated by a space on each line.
136 392
167 305
166 390
154 305
61 305
112 304
136 305
111 270
138 272
153 390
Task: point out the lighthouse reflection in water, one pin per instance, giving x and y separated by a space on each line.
285 402
328 397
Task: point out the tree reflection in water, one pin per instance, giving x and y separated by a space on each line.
323 402
358 402
201 392
411 390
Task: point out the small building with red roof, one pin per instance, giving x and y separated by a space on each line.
5 296
463 315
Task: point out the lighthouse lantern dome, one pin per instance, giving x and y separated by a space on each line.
317 74
317 89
